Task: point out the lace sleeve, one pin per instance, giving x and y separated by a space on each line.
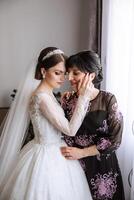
52 110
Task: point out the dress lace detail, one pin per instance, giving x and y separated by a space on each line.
34 110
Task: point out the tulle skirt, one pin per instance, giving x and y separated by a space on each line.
42 173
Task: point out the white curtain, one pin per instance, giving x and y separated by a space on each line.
119 59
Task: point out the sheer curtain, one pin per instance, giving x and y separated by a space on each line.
119 60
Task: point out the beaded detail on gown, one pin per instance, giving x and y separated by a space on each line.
42 173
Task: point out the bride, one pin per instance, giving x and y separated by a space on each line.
39 171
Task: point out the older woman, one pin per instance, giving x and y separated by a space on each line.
100 134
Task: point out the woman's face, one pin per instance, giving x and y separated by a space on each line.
55 76
75 76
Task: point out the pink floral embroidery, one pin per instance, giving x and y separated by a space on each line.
104 127
116 145
104 186
69 140
82 164
116 114
69 105
103 144
84 140
115 107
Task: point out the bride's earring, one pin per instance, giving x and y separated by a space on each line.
43 73
43 76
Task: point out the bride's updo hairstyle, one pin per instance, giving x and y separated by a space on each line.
49 57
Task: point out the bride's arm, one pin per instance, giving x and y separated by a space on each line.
55 114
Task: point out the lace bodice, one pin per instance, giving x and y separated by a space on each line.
48 117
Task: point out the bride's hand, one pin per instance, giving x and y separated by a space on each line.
85 87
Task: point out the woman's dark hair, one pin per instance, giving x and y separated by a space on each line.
48 62
86 61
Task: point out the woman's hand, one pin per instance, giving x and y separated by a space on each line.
73 153
85 87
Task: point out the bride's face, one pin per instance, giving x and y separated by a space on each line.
55 76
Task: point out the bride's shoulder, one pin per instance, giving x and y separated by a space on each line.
35 97
41 97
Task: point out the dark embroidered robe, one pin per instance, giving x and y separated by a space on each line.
102 126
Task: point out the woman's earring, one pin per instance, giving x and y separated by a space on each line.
43 76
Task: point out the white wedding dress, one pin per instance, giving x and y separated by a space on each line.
42 173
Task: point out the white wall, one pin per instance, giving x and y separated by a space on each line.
28 26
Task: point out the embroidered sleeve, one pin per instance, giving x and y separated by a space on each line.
52 110
110 143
